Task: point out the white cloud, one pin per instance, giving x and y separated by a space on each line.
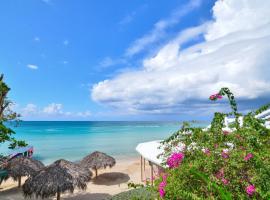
84 114
108 61
53 108
31 66
29 109
51 111
237 58
160 28
241 15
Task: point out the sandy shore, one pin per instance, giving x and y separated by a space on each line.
109 182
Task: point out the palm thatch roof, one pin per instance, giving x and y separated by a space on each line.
97 160
22 166
59 177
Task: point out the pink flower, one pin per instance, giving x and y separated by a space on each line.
225 154
218 96
161 192
248 156
226 132
220 174
215 97
162 186
225 181
175 160
250 190
164 177
207 152
216 145
212 97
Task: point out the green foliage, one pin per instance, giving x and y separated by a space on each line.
232 101
136 194
7 115
135 185
212 174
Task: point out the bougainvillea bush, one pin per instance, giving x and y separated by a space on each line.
218 162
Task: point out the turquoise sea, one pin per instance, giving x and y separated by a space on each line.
74 140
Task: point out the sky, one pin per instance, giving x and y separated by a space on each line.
133 60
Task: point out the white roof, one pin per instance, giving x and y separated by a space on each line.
150 151
264 115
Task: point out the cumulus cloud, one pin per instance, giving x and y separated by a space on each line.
234 56
31 66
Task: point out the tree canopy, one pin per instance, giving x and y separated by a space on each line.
7 115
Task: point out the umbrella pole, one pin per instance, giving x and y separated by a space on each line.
96 172
19 181
58 195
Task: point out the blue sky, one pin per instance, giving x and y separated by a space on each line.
94 60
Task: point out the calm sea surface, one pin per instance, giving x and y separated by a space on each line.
73 140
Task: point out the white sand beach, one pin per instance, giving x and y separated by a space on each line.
109 182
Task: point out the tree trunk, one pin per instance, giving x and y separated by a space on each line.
19 182
58 195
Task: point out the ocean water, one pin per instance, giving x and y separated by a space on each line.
74 140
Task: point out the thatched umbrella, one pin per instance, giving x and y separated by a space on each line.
22 166
57 178
97 160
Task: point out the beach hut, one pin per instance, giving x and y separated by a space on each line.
97 160
22 166
59 177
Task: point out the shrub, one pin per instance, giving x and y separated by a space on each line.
143 193
219 163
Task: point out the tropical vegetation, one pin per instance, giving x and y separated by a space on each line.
7 115
218 162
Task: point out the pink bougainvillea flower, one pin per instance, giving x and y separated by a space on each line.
225 181
218 96
161 192
248 156
215 97
225 154
175 160
162 186
250 190
212 97
207 152
164 177
226 132
220 174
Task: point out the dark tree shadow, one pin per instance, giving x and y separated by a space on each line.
112 178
